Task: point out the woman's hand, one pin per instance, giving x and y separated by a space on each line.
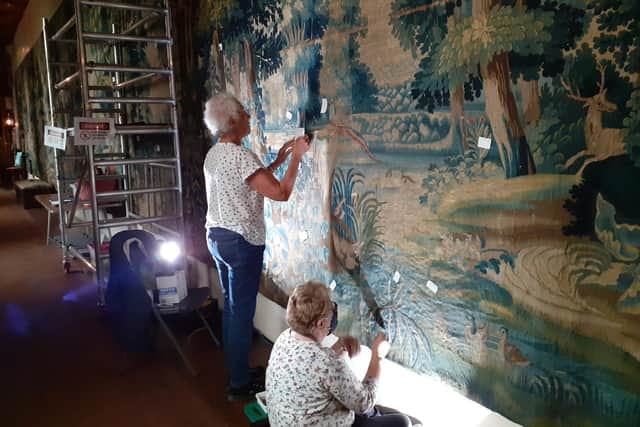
348 344
300 146
283 153
378 347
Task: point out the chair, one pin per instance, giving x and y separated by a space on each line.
132 278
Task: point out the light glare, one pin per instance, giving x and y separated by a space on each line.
169 251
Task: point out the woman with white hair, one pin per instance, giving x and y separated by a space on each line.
236 183
311 385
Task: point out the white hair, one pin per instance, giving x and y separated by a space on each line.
219 110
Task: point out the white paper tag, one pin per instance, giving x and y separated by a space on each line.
332 285
303 236
396 276
289 115
55 137
484 142
323 106
432 286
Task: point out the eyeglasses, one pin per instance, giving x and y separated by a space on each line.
335 309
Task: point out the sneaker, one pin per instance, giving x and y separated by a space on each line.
246 392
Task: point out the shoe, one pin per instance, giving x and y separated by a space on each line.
256 375
246 392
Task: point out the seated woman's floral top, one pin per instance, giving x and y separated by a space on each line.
308 385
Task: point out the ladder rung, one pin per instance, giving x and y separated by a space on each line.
148 220
63 111
109 155
123 6
123 69
148 100
65 64
136 191
158 226
143 129
79 224
116 37
100 87
64 28
109 177
64 82
105 110
135 161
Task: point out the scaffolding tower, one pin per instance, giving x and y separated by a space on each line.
104 73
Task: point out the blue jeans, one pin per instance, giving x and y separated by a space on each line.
239 266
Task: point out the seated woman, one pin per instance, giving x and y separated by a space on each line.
310 385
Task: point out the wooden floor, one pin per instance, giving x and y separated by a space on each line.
58 363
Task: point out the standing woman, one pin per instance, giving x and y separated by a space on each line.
236 184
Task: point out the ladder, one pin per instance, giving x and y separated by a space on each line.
103 75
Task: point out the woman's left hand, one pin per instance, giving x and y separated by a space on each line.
283 153
348 344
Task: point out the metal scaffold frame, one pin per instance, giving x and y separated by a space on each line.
135 189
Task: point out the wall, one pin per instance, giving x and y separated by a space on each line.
517 266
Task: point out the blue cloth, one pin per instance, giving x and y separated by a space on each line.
239 266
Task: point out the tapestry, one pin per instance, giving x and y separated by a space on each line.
471 186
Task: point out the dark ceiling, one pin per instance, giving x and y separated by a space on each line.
10 14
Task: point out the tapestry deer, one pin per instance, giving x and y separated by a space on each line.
600 142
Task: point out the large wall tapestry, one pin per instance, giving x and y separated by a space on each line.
518 276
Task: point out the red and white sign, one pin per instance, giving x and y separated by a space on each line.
93 131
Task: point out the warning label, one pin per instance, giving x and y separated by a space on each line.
92 131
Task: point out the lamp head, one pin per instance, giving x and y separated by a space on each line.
169 251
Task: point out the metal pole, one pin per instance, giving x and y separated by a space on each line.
63 238
116 93
176 137
92 170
